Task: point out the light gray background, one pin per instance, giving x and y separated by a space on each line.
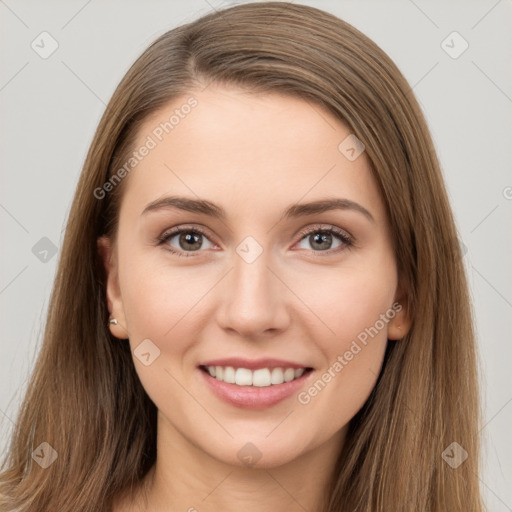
50 109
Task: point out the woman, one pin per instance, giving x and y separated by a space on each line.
316 349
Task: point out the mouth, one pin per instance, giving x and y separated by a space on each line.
254 388
260 377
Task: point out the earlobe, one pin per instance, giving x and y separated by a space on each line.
400 323
106 251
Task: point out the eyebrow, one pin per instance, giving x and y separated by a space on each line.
294 211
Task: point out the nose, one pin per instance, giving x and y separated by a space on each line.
254 299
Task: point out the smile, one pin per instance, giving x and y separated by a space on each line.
256 388
261 377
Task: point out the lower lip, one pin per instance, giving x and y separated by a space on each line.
253 397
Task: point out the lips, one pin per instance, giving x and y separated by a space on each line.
254 383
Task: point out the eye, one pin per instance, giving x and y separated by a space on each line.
187 240
321 239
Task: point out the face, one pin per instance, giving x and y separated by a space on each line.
253 281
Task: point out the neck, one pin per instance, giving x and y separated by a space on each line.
185 478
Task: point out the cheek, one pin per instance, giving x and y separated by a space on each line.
158 299
161 304
355 304
341 389
348 302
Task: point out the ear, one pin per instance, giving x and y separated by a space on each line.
108 255
400 324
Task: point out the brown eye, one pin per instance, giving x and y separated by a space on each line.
189 240
185 240
322 239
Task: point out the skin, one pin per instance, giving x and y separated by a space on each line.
254 155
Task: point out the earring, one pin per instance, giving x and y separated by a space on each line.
113 321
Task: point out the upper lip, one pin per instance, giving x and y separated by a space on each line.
253 364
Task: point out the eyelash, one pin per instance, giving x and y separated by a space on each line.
346 239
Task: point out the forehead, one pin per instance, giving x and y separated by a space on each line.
231 145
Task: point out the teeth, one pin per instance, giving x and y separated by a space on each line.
277 376
229 375
261 378
289 374
243 377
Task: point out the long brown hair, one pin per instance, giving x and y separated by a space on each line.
84 398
